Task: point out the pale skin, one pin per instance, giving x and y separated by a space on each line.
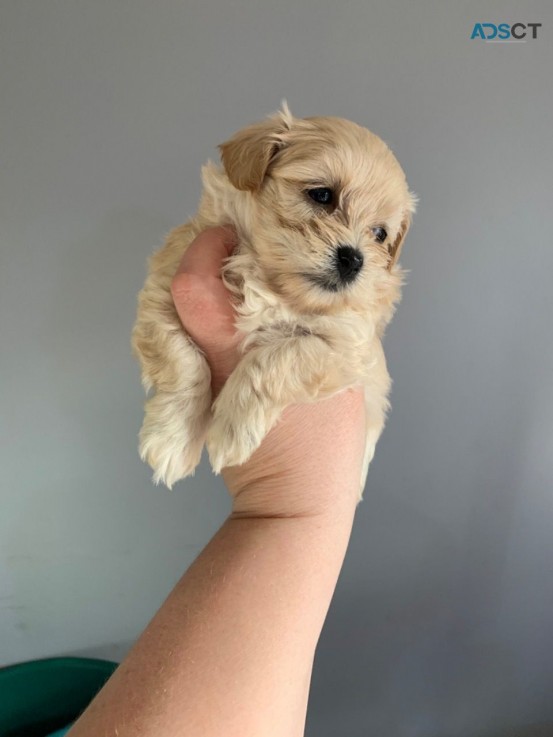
230 652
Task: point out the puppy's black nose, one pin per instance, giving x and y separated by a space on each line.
349 261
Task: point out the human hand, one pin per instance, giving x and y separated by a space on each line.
310 462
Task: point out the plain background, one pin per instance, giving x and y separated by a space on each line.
442 625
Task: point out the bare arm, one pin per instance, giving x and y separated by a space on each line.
230 651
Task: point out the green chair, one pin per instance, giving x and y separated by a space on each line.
41 696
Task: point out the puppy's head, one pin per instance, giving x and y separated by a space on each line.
329 210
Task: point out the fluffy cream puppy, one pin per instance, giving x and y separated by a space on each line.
321 208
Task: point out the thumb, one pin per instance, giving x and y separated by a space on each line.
203 303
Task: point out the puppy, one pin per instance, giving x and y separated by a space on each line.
321 208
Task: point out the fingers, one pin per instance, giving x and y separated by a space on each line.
203 302
201 298
204 257
203 305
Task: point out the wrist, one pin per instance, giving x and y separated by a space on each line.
309 464
280 499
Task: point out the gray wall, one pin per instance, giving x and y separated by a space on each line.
443 621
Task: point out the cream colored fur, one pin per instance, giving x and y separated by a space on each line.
301 342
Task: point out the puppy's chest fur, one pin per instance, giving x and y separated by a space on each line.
262 315
288 356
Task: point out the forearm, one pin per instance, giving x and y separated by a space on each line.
230 651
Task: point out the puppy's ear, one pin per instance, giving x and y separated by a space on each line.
395 248
248 154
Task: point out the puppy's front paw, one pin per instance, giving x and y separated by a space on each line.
170 460
172 437
230 442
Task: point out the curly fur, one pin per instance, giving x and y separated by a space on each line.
301 342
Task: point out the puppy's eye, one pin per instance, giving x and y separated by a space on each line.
380 234
321 195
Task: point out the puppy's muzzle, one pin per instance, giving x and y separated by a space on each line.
348 263
343 269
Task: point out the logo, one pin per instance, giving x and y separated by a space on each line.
506 33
